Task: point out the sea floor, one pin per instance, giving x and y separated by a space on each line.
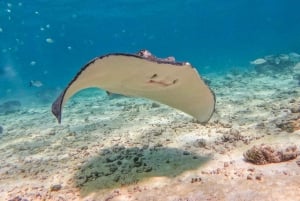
124 148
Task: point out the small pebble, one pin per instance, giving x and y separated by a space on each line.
234 131
55 187
295 109
147 169
201 143
226 164
1 129
52 132
155 105
251 169
84 147
116 178
249 177
197 179
259 177
18 198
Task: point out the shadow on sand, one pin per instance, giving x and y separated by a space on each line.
119 166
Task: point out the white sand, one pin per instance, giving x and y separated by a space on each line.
185 160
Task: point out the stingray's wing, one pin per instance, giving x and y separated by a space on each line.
172 83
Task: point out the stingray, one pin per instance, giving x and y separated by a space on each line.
176 84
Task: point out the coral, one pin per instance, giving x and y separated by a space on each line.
289 125
264 154
274 63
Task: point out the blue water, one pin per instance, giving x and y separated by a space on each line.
214 36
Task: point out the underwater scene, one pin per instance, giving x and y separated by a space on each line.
120 100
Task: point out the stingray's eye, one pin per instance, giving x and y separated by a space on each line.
141 52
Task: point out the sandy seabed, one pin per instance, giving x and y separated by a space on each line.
123 148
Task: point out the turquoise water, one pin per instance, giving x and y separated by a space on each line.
49 41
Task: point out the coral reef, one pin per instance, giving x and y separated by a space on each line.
290 126
290 122
264 154
275 63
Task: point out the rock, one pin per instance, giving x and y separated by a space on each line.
137 161
289 125
251 169
113 168
231 137
112 158
296 68
295 109
18 198
81 180
249 177
84 148
55 187
259 177
264 154
186 153
201 143
234 132
1 129
51 132
116 178
155 132
294 57
155 105
147 169
10 107
196 179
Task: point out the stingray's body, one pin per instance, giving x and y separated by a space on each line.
176 84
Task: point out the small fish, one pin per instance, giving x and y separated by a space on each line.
35 83
258 61
32 63
49 40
